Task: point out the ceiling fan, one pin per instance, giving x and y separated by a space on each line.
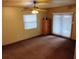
35 9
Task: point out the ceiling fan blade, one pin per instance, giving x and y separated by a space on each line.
30 9
35 7
44 1
41 9
39 1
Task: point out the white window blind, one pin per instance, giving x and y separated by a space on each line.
30 21
62 24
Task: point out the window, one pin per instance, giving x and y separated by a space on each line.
30 21
62 24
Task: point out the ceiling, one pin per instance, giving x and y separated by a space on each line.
40 3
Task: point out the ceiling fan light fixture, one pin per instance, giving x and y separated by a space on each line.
35 12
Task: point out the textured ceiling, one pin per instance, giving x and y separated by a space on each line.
40 4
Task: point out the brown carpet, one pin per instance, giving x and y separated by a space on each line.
43 47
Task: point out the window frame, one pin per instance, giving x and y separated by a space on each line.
63 13
27 22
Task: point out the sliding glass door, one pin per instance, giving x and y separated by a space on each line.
61 24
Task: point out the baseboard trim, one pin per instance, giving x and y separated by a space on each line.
21 40
63 37
38 36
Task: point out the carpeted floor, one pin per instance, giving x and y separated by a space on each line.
43 47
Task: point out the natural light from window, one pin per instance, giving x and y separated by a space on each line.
30 21
62 24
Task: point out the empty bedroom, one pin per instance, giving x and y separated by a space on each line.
38 29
